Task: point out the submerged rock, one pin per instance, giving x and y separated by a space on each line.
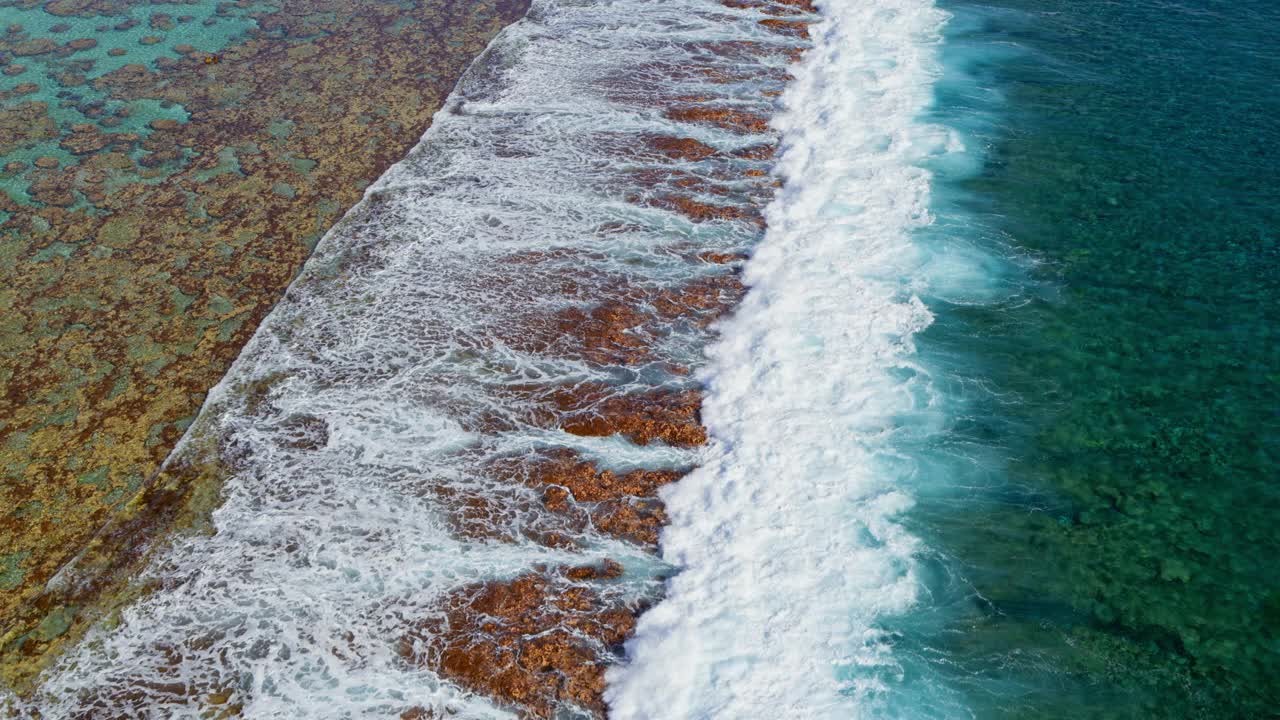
37 46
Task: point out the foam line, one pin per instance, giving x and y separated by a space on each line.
786 537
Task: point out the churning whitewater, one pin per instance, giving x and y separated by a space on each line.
785 535
445 447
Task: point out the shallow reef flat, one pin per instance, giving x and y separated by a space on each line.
166 169
438 465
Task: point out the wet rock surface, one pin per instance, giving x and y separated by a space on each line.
523 641
539 642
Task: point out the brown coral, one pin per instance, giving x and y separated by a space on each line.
537 642
727 118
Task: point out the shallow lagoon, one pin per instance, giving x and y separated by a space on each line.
154 203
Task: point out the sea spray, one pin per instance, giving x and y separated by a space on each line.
789 552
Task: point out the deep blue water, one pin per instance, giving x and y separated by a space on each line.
1102 509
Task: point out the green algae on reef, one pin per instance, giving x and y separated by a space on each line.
153 206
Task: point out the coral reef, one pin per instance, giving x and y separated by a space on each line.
155 208
537 642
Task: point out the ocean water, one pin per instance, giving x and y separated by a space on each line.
1100 510
997 423
991 433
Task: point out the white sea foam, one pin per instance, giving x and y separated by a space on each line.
786 538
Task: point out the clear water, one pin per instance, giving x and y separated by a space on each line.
1079 433
211 28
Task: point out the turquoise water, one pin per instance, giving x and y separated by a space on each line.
1101 510
64 80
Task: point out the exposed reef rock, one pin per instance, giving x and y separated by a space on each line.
728 118
537 642
596 411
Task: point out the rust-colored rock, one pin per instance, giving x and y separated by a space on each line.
607 570
622 328
727 118
719 258
607 334
82 44
623 505
535 643
678 148
596 411
702 301
699 211
790 28
506 514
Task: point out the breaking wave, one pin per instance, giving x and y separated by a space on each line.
791 555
